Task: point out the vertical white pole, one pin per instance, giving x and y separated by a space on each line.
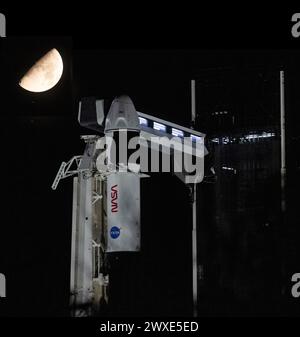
282 127
2 285
73 278
2 25
195 267
194 232
193 100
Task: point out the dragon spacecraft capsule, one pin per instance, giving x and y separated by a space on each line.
122 116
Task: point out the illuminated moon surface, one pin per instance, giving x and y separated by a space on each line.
44 74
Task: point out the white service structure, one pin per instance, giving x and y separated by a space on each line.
106 204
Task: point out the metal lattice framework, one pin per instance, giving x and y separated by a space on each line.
65 170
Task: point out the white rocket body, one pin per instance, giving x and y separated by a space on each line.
123 188
123 212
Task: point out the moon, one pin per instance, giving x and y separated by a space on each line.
44 74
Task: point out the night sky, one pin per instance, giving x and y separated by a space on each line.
41 130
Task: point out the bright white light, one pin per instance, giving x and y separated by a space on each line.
159 127
227 168
177 133
227 140
262 135
44 74
195 138
143 121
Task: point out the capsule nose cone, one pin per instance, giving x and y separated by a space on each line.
123 99
122 115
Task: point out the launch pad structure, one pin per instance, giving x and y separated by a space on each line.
106 205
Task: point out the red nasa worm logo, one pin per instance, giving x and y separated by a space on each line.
114 199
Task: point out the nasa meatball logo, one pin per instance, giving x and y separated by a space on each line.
115 232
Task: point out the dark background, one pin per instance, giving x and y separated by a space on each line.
41 130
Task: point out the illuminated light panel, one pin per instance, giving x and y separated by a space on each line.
159 127
143 121
177 133
195 138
